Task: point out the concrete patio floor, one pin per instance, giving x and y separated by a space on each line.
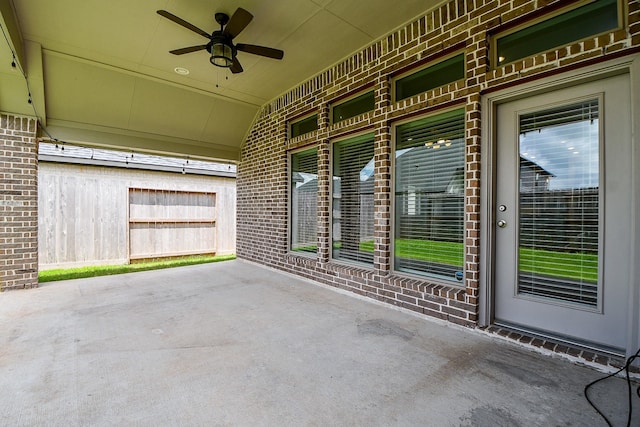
237 344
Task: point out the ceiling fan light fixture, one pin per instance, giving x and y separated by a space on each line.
221 48
221 55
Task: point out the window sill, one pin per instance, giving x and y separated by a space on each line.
428 281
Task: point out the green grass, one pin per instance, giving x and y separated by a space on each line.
568 265
105 270
308 248
449 253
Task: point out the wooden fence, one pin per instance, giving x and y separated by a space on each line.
89 215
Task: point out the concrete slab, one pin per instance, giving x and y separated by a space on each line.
237 344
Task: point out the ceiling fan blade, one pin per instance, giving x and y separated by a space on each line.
238 22
170 16
189 49
236 67
260 50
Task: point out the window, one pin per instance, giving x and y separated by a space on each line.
593 18
304 201
353 107
439 74
429 196
302 126
353 179
559 211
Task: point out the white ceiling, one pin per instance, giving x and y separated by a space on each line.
100 73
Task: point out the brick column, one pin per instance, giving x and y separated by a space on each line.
324 186
382 192
18 202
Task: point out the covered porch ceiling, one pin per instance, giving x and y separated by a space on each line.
100 72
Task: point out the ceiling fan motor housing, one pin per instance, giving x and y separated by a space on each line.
222 18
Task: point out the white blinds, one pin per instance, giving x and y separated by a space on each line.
429 196
559 203
578 112
352 216
304 201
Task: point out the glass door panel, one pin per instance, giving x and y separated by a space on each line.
559 203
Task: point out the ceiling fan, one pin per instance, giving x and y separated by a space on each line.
223 51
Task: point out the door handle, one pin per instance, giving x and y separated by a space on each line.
502 223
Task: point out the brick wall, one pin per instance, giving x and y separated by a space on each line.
18 202
460 25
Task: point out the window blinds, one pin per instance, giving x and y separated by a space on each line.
429 196
352 210
559 203
304 201
579 112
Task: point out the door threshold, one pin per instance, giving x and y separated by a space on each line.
605 357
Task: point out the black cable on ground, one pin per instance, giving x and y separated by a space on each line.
625 368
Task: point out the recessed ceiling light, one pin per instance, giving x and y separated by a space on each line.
182 71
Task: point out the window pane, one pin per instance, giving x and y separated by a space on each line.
303 126
304 201
354 107
437 75
593 18
559 203
353 199
429 196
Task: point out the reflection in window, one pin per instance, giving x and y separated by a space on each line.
591 19
304 201
439 74
429 194
559 203
558 148
353 183
302 126
353 107
410 201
